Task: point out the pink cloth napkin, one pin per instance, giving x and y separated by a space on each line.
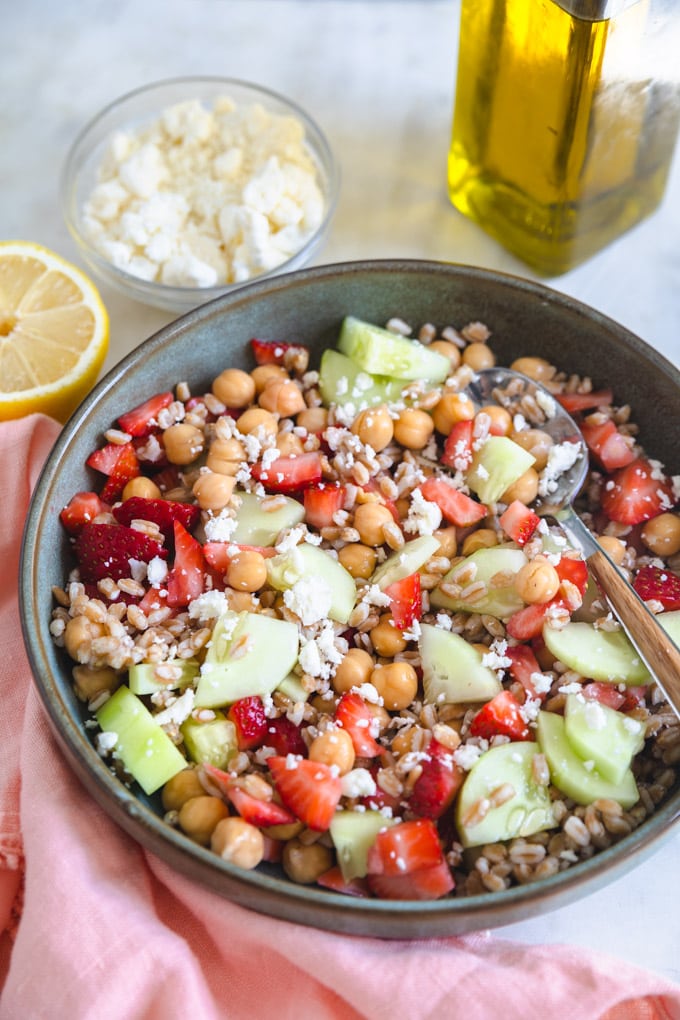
96 927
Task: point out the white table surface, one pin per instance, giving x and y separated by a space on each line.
379 77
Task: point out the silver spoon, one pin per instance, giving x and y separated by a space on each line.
522 395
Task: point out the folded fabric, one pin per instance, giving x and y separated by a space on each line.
106 930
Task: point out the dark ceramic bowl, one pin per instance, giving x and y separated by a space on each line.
307 306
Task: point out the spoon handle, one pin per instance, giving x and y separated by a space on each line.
652 643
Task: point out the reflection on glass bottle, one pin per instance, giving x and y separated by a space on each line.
564 126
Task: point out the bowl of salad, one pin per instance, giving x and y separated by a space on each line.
299 630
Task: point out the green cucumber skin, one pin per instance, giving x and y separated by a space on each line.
602 735
342 381
405 561
452 669
378 351
496 466
353 834
498 602
256 526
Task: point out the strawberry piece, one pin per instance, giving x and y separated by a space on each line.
247 715
438 783
285 737
168 478
659 585
519 522
457 453
290 474
220 554
636 493
105 550
522 666
527 623
405 847
380 799
500 717
575 402
354 715
573 570
456 506
154 599
273 352
273 849
119 462
322 501
333 880
406 602
163 512
142 420
424 884
309 789
608 446
81 509
606 694
261 813
185 580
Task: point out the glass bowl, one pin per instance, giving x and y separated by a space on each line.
140 109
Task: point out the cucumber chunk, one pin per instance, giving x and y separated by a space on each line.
596 654
342 381
380 352
213 741
249 654
142 676
258 526
293 689
333 583
452 668
527 811
144 748
495 466
496 569
353 834
569 772
599 734
405 561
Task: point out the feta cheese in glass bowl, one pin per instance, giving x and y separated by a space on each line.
184 189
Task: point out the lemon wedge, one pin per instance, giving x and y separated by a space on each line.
54 332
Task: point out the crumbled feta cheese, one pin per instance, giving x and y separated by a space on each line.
561 457
105 742
221 527
208 606
424 517
358 783
177 711
310 598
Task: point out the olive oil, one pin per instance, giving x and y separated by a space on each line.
563 131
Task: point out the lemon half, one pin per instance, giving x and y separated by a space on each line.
54 332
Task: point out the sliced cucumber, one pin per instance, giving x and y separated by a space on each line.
213 741
569 772
318 568
596 654
452 668
528 810
293 689
342 381
405 561
495 466
142 676
257 525
144 748
599 734
381 352
496 569
353 834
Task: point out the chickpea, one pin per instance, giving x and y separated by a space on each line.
448 541
536 442
141 486
374 427
614 548
285 832
247 571
212 490
525 489
282 397
88 681
241 601
481 538
536 368
661 534
449 351
478 356
256 418
238 842
234 387
413 428
370 520
402 506
334 747
452 408
358 559
183 443
501 419
387 640
289 445
181 788
225 456
198 817
303 864
263 374
354 670
537 581
314 419
79 634
381 717
396 683
407 740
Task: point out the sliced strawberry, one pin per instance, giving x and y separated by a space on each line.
322 501
168 478
220 554
163 512
354 715
290 474
310 789
523 664
406 604
574 570
285 737
142 420
273 352
608 446
185 581
500 717
405 847
261 813
333 880
633 697
457 508
424 884
119 462
606 694
457 453
247 715
437 784
273 849
527 623
153 600
519 522
636 493
659 585
81 509
106 550
575 402
380 799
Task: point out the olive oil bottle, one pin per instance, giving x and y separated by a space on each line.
564 125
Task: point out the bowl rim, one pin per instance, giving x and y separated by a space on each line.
384 918
316 142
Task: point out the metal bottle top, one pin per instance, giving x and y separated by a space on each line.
595 10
